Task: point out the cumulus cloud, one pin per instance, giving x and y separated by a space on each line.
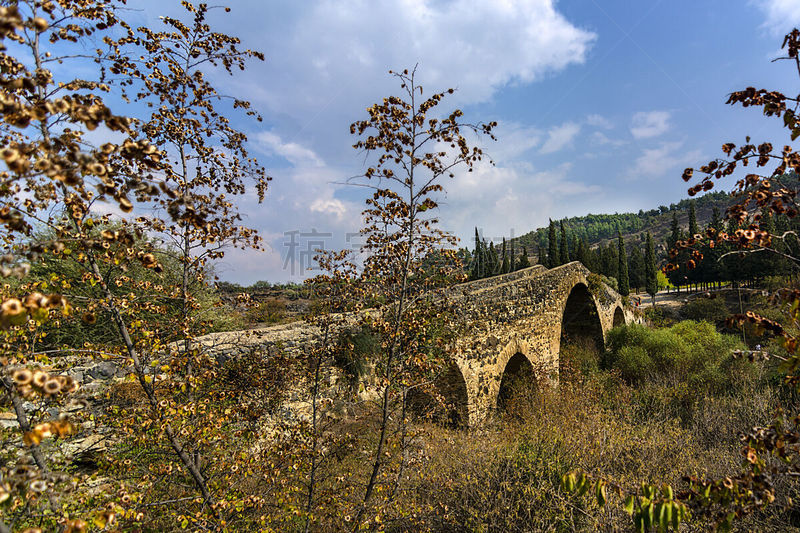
560 137
327 61
475 45
646 124
781 15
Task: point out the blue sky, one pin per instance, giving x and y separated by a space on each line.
600 104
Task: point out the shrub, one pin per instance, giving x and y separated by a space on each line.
690 352
658 317
270 311
711 310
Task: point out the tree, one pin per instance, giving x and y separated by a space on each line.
552 250
206 159
622 280
524 262
46 117
563 257
694 229
478 261
493 262
505 266
399 236
651 273
675 233
636 268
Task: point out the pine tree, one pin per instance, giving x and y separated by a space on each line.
651 275
623 283
564 251
552 244
678 276
573 249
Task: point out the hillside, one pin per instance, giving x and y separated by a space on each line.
598 229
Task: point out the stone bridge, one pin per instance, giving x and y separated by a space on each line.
515 328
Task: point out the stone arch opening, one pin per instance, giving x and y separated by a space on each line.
519 379
619 317
443 400
581 332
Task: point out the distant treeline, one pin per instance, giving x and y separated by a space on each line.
597 228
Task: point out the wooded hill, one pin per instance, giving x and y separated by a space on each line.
598 229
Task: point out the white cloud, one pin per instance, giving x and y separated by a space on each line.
291 151
646 124
668 157
501 200
327 60
513 141
559 137
601 139
599 121
781 15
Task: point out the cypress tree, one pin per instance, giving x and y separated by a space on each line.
694 229
564 251
636 273
512 263
524 262
573 249
504 267
477 261
651 275
580 253
623 283
552 246
674 231
492 263
716 219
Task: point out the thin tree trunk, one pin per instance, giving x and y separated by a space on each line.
312 478
177 447
25 426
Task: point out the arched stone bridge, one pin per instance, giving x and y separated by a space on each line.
518 325
514 327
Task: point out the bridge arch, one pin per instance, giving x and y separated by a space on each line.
581 326
619 317
517 378
444 400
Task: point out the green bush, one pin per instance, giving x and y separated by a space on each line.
634 363
711 310
690 352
